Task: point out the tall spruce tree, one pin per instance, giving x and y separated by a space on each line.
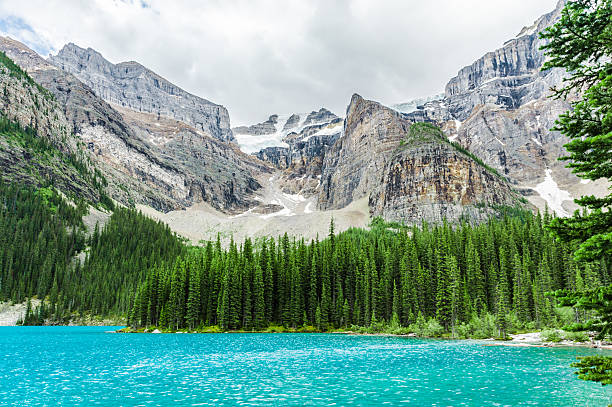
581 43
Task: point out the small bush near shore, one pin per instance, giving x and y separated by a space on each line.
576 336
551 335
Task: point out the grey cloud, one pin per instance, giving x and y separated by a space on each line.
262 57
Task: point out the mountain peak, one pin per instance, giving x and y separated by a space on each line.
131 85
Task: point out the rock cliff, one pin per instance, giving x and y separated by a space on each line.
409 172
147 158
499 108
131 85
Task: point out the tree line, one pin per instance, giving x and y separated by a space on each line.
45 252
360 277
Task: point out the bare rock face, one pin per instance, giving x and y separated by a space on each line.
409 172
267 127
146 158
322 116
434 181
26 103
131 85
353 165
499 108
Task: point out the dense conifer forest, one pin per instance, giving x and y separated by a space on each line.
466 279
42 238
494 275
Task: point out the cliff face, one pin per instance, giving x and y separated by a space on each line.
409 172
353 165
50 155
146 158
434 181
499 108
131 85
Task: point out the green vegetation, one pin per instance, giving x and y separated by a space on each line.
44 151
581 43
40 235
15 71
118 258
422 132
469 280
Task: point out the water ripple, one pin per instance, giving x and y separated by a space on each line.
86 366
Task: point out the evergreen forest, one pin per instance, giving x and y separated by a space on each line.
466 278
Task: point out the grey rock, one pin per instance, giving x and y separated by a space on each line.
499 107
148 159
406 176
321 116
267 127
131 85
292 122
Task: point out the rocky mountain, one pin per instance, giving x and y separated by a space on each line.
294 144
463 154
37 146
499 108
147 158
131 85
409 171
277 129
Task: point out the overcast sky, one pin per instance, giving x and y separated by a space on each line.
282 56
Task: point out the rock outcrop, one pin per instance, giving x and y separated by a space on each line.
301 161
267 127
499 108
148 159
131 85
426 179
408 171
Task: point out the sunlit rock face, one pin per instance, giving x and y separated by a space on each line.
409 172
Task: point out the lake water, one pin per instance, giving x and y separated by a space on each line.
86 366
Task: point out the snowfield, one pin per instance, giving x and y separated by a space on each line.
552 194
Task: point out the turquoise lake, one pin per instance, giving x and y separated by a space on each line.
73 366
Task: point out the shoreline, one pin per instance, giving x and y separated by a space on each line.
525 340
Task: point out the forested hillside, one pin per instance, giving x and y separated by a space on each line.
449 274
41 237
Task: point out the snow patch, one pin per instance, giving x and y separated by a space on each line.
326 131
294 197
250 144
412 105
242 214
552 194
500 142
307 208
585 181
535 140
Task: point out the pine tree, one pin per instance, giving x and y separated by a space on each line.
192 317
443 294
581 43
259 314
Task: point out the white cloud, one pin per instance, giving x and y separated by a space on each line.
262 57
